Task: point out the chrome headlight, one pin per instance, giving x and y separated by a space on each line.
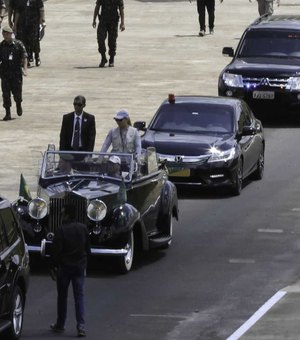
96 210
293 84
37 208
233 80
220 156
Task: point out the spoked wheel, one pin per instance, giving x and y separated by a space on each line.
259 172
16 315
238 179
125 262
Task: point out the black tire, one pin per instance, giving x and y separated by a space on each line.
259 172
125 262
238 179
16 315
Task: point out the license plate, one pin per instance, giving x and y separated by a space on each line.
263 95
179 172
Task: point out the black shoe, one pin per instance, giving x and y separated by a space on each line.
111 62
7 117
103 62
19 109
55 328
37 62
81 333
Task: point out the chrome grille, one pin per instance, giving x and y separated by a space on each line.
270 82
56 205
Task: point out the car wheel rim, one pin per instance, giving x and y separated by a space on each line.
18 314
129 256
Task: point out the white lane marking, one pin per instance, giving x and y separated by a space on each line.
160 316
276 231
257 315
296 209
242 261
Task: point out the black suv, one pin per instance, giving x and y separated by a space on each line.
265 69
14 273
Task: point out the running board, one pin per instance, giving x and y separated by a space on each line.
157 242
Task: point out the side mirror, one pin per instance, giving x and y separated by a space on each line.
248 131
228 51
140 125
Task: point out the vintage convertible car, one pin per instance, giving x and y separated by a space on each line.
132 206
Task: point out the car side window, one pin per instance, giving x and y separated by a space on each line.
245 117
8 222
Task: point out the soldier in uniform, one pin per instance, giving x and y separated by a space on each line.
28 16
265 6
13 65
111 10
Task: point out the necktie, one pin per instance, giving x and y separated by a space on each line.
76 135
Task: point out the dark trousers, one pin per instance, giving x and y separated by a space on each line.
110 30
210 6
29 35
64 277
11 85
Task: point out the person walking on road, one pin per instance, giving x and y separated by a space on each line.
70 251
111 12
265 7
29 16
202 6
78 129
13 65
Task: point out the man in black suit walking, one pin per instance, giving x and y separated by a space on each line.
78 129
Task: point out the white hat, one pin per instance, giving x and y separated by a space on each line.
121 114
115 159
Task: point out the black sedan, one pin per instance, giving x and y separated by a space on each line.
127 205
207 141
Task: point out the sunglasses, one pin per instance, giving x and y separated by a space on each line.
77 104
118 120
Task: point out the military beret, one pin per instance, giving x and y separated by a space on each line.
7 29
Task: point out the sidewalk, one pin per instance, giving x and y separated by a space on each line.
158 53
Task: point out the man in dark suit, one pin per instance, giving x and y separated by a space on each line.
78 129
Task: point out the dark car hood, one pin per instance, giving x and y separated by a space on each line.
186 144
265 67
87 188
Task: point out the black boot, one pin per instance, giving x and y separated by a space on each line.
19 109
103 60
37 60
7 115
111 61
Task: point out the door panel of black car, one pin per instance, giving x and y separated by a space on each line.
146 197
249 144
10 241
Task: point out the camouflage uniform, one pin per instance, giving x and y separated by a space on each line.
28 25
108 25
11 57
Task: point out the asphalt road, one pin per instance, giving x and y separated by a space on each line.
230 254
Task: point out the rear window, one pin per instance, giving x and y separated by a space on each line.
194 118
261 43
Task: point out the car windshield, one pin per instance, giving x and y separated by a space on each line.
82 164
278 44
194 118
